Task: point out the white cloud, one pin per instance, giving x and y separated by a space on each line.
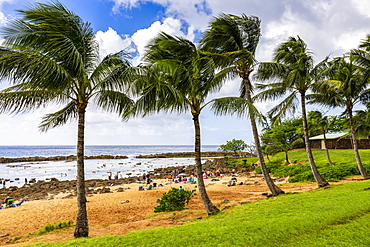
362 6
111 42
4 18
195 12
142 37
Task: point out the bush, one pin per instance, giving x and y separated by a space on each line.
336 173
174 200
306 176
51 227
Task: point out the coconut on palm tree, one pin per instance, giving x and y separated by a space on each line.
233 41
292 73
178 77
345 86
51 56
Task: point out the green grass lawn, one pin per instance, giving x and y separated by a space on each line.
338 156
336 216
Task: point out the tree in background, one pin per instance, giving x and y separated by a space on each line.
283 137
234 39
52 56
234 145
291 73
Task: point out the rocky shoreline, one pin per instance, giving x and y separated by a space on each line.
57 158
189 154
43 190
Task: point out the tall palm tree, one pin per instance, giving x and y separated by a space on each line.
234 39
51 56
322 123
179 78
293 74
345 86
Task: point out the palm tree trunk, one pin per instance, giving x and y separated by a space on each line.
210 208
82 228
319 179
327 150
270 183
361 168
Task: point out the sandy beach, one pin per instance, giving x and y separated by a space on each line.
108 215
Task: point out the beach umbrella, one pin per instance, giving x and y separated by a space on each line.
182 175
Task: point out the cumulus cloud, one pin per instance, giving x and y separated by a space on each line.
111 42
142 37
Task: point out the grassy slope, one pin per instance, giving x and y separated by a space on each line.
340 156
337 216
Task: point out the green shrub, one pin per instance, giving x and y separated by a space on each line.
291 170
306 176
174 200
51 227
272 167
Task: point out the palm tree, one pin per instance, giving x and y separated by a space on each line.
179 77
51 56
345 86
293 73
322 123
234 39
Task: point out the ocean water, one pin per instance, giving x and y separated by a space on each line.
18 172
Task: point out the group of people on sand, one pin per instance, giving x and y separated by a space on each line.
116 176
9 203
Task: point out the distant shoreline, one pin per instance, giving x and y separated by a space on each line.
150 156
57 158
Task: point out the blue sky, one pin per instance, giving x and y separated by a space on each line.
329 27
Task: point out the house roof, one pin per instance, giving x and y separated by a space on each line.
329 136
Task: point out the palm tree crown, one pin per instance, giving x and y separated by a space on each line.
51 56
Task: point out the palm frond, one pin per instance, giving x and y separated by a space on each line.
230 106
18 99
114 72
113 101
288 105
61 117
271 91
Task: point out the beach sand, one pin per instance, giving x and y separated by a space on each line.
109 216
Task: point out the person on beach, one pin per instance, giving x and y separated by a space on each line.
181 188
148 179
110 176
116 176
